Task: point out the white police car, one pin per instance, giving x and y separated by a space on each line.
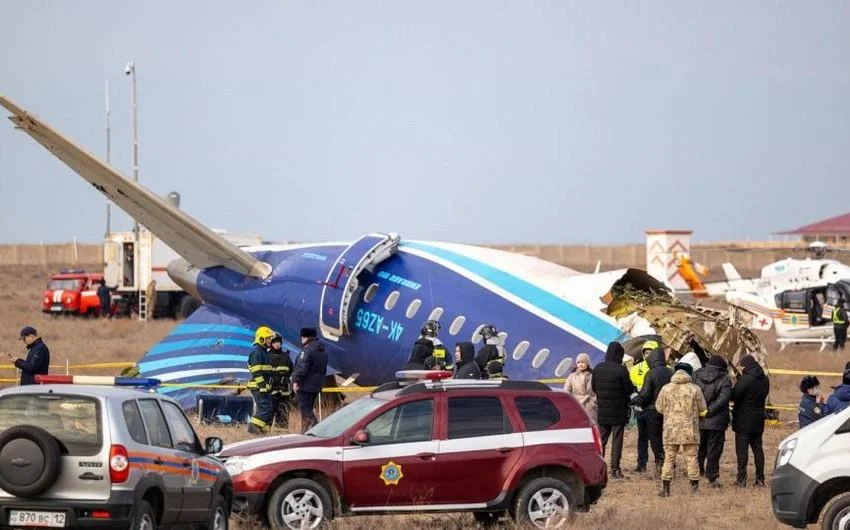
811 480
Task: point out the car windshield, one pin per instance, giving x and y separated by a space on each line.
341 420
73 420
71 285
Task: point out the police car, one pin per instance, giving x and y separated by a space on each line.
430 445
811 479
95 452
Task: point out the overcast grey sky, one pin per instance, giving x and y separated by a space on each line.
462 121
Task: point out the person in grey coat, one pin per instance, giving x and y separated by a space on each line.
713 380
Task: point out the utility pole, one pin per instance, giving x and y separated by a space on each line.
108 149
131 71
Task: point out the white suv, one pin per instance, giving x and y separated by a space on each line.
811 480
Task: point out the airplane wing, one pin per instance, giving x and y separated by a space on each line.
199 245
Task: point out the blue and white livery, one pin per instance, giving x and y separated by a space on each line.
369 298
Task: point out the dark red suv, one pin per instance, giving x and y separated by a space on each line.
489 447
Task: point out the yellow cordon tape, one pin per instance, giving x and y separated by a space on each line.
10 367
777 371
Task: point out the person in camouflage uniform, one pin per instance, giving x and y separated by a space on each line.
681 403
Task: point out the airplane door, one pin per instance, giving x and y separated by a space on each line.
341 282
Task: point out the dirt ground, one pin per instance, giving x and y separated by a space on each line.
631 503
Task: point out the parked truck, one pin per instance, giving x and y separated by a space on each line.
134 267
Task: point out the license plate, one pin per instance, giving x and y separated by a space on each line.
27 518
56 308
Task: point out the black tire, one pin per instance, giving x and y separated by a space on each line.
487 519
144 518
188 305
219 515
298 488
534 498
30 460
836 511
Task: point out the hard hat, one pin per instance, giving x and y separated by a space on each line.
430 328
649 345
488 331
262 334
277 338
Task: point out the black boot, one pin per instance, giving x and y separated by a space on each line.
741 482
641 468
616 473
694 487
715 483
665 489
759 483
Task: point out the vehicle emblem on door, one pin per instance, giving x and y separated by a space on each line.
391 473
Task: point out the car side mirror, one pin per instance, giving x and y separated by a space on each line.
213 445
360 438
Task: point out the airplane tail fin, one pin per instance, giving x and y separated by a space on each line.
209 348
198 244
731 272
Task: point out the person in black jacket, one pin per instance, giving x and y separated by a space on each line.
491 356
658 376
713 380
422 350
105 299
38 357
749 396
280 384
309 375
465 366
613 389
812 405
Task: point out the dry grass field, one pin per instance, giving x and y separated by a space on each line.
631 503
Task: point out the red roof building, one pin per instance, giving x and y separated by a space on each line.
832 230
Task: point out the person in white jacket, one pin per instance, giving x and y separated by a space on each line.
578 384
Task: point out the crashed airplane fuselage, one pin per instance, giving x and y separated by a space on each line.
369 298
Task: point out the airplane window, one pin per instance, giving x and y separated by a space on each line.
391 300
457 323
476 337
370 293
413 308
503 337
540 358
563 366
436 313
520 350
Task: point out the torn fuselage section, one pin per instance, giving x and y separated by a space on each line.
642 307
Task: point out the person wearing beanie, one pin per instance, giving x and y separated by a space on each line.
613 389
840 398
812 406
681 403
749 396
692 359
579 385
309 376
713 380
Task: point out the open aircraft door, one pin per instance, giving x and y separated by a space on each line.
342 283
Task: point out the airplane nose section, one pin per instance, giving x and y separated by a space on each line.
185 275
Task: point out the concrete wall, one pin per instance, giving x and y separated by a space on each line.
579 257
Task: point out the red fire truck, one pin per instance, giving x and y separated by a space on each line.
72 292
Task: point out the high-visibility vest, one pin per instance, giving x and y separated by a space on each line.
836 317
638 373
